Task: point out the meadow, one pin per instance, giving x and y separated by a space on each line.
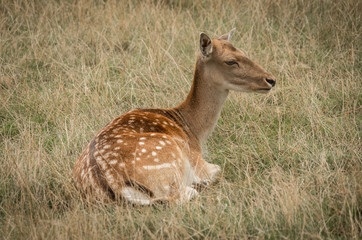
291 159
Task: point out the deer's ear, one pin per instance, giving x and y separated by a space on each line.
205 45
227 36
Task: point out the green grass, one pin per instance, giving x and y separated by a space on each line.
291 159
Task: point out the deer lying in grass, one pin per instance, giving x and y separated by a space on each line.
149 155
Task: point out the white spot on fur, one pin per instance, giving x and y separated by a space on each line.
143 138
158 147
154 153
107 155
168 141
154 167
110 179
113 162
141 143
153 134
156 160
162 143
103 165
122 164
107 147
143 150
119 141
108 174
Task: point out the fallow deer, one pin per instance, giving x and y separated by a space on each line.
150 155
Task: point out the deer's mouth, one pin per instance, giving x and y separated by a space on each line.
264 90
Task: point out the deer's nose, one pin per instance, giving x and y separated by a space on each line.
271 81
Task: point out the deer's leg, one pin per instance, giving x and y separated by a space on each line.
187 194
135 196
212 170
205 171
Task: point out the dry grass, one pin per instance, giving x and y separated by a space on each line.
291 159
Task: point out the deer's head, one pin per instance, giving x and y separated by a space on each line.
229 68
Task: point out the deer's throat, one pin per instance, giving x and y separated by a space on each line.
202 107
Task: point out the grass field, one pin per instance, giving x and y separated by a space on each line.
291 159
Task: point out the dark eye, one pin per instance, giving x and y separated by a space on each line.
231 63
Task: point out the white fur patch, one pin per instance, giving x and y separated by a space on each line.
155 167
135 196
113 162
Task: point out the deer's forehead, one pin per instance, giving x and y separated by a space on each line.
224 48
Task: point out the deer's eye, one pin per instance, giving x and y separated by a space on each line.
230 63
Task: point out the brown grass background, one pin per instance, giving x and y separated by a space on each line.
291 159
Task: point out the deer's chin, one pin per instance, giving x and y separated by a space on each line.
241 88
249 90
238 87
263 90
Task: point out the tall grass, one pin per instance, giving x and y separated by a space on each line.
291 159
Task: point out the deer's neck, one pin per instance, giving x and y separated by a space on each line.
201 109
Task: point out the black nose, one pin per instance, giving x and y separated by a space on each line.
271 81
